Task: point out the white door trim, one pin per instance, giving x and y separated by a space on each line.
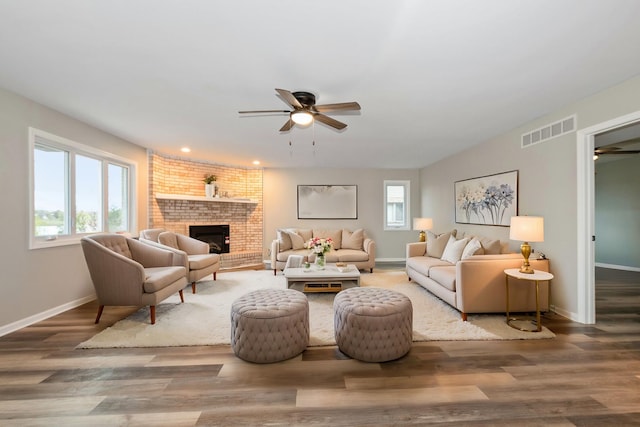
586 214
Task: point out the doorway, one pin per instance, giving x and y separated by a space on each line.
586 213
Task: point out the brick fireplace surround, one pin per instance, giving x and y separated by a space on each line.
181 179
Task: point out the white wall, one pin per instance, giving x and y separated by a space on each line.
280 204
547 183
37 283
617 212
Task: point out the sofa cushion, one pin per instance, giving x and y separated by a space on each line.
453 251
423 264
353 240
200 261
436 243
297 242
490 246
306 233
352 255
335 235
157 278
282 256
474 247
445 276
284 241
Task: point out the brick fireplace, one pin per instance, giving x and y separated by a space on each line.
216 235
177 200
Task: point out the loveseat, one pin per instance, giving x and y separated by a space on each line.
353 247
468 274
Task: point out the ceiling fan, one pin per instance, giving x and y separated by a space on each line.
306 111
613 150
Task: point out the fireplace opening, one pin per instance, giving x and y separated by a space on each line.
217 236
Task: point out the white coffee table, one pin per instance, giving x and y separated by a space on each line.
330 279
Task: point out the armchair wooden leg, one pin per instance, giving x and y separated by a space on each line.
181 295
193 287
214 275
99 313
274 271
152 312
464 317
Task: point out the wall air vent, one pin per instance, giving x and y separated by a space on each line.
550 131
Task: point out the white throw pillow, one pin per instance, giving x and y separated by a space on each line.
473 248
284 240
453 251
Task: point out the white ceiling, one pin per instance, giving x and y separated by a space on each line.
432 77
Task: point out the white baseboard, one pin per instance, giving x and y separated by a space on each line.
617 267
564 313
12 327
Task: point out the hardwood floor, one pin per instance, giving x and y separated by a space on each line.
589 375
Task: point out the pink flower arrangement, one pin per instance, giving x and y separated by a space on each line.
319 246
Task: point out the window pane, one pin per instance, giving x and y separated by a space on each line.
395 205
117 199
88 195
50 198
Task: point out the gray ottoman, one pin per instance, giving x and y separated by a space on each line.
372 324
270 325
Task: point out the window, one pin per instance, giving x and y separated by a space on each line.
76 190
396 205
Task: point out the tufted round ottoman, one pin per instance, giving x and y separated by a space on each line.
270 325
372 324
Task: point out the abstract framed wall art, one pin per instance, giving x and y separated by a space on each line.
487 200
327 202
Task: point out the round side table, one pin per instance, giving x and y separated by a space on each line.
535 278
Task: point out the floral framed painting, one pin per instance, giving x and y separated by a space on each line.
327 202
487 200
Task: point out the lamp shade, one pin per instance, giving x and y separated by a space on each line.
301 117
527 228
422 224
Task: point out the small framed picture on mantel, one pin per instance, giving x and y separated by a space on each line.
327 202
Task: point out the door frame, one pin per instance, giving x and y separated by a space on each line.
586 213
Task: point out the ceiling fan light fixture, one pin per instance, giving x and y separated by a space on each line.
301 118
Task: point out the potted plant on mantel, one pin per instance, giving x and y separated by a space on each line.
210 185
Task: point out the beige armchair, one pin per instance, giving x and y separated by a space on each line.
194 253
127 272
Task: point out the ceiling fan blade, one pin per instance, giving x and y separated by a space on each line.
288 96
263 111
329 121
341 106
287 126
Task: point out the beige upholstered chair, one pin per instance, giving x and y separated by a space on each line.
195 253
127 272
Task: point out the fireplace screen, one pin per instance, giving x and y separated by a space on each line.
217 236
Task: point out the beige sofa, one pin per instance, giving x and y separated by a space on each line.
475 283
353 247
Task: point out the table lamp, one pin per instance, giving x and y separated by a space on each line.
527 229
422 224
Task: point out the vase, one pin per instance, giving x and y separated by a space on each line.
209 189
320 261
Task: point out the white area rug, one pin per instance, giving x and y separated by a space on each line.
204 318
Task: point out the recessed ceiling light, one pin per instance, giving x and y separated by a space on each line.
185 149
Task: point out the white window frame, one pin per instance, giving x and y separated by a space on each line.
40 137
407 199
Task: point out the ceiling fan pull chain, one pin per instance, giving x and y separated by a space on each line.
290 149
